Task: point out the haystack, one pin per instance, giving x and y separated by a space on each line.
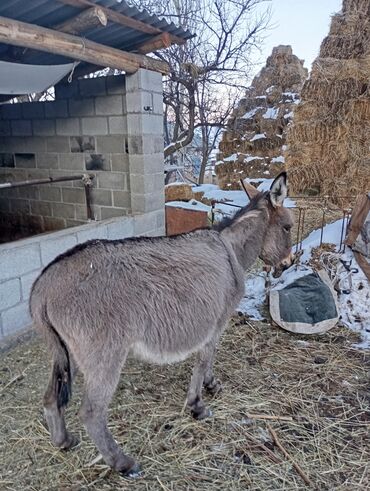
328 142
253 144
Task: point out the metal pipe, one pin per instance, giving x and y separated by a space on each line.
48 180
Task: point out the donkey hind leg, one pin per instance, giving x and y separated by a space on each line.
202 374
54 407
101 381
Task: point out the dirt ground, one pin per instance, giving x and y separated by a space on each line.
309 393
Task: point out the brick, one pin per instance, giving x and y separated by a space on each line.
43 127
72 161
120 162
73 195
109 105
47 161
50 193
82 143
5 129
122 199
25 160
110 144
111 212
26 283
95 126
116 84
92 86
144 79
68 126
17 260
10 293
63 210
96 161
11 111
92 231
51 248
33 110
21 127
112 180
66 90
16 319
56 109
81 107
42 208
57 144
117 125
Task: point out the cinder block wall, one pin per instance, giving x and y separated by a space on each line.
111 127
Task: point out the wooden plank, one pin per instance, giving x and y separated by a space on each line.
40 38
86 20
116 17
164 40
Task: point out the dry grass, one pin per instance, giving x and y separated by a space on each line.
318 386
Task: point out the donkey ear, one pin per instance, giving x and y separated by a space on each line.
279 190
249 189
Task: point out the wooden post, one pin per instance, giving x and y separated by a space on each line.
84 21
40 38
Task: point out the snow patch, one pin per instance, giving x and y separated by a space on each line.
258 136
277 160
271 113
189 205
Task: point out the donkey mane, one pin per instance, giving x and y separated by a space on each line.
256 203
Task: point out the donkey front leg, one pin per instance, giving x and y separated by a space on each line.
101 381
202 374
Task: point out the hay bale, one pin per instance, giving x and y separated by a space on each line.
178 191
328 140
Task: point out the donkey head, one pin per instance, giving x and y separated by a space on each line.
277 243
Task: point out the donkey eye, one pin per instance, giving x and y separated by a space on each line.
287 228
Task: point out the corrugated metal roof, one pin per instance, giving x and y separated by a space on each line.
48 13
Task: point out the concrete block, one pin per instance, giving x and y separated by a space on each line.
147 183
73 195
63 210
56 109
122 199
15 319
33 110
144 203
20 206
27 281
81 212
43 127
68 126
97 161
108 212
102 197
5 129
117 125
57 144
110 144
146 164
161 220
25 160
52 223
42 208
21 127
92 86
144 223
109 105
116 84
50 193
7 160
11 111
112 180
25 144
120 162
72 161
95 126
81 107
18 259
51 248
10 293
47 161
66 90
141 124
92 231
82 143
139 102
158 104
120 228
146 144
31 192
144 79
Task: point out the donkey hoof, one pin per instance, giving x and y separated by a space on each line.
201 413
133 472
70 442
214 388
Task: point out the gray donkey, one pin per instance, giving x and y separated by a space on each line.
160 299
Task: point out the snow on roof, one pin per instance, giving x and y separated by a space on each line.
189 205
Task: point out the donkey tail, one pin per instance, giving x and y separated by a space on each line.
60 385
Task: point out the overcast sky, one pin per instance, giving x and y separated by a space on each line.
301 23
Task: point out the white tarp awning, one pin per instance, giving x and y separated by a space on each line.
17 78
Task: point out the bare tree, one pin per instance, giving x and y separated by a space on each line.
210 71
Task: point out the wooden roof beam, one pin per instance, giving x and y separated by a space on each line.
115 16
86 20
164 40
42 39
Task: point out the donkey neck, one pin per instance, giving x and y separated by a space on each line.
246 236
